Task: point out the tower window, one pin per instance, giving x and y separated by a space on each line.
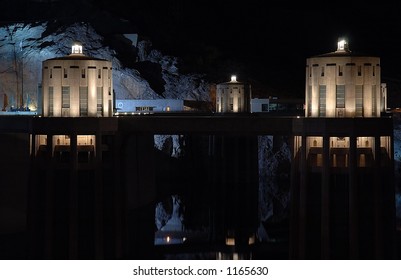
309 100
340 96
359 101
99 95
374 100
65 97
51 111
322 101
83 74
83 101
340 70
359 70
322 73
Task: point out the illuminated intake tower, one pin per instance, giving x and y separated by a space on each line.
77 86
233 96
70 148
343 178
344 84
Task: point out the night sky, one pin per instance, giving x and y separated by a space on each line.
266 43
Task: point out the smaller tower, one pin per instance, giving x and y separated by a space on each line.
233 96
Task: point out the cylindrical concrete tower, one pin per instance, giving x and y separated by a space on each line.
343 84
77 86
342 185
232 96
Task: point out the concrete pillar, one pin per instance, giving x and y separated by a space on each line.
294 194
140 195
235 189
119 197
49 189
378 200
325 214
353 217
303 199
32 201
98 191
73 199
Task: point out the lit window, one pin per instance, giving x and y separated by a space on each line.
374 100
65 97
340 96
83 101
230 241
322 101
51 100
359 101
99 95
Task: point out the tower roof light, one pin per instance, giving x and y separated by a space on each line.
76 49
342 45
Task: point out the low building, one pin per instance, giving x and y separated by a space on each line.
146 106
260 105
278 106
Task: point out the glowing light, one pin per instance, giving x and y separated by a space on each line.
233 78
168 239
32 106
251 240
76 49
230 241
342 45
